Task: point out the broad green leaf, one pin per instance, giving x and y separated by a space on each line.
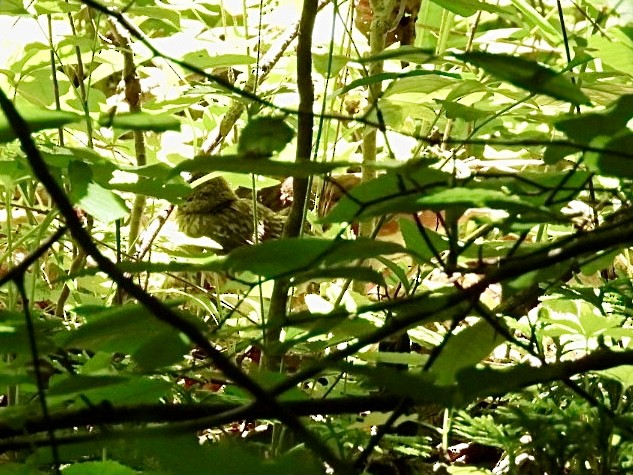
12 7
555 153
333 63
465 349
458 199
361 200
359 273
14 333
264 136
129 330
38 119
141 121
184 455
106 467
527 74
96 200
77 391
203 60
258 166
616 158
616 50
585 127
455 110
47 7
156 188
365 81
303 254
417 243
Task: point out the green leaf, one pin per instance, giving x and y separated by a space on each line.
258 166
96 200
106 467
420 387
77 391
616 158
465 349
585 127
203 60
358 273
527 74
467 8
141 121
616 50
365 81
417 243
455 110
12 7
333 63
457 198
264 136
131 330
184 455
38 119
364 198
303 254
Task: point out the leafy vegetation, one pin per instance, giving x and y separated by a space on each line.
452 291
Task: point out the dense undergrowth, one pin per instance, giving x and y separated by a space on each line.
452 292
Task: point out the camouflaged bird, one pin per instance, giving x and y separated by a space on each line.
215 211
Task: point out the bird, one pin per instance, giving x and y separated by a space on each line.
215 211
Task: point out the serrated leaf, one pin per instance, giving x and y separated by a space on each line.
141 121
264 136
38 119
528 75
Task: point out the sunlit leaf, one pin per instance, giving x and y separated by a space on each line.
38 119
261 166
465 349
141 121
365 81
203 60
